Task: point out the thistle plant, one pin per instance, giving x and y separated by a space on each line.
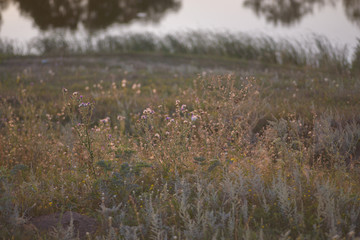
80 110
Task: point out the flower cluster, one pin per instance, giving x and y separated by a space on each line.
123 83
105 120
194 118
146 112
84 104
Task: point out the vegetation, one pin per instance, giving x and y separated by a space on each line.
166 154
316 51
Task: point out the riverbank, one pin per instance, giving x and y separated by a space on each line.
314 51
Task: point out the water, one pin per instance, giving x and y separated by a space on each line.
338 20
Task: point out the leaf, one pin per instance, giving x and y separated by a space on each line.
18 168
199 160
213 165
106 165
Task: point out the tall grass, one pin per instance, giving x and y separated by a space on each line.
9 48
356 59
316 51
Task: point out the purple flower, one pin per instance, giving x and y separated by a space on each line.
194 118
83 104
183 107
148 111
105 120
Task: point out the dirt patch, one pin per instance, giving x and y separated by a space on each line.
82 224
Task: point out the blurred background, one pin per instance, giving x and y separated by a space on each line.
338 20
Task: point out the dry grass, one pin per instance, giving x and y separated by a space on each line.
200 163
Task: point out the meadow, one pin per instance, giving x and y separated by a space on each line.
236 139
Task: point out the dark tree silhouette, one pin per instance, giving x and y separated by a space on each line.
352 10
101 14
94 14
3 5
285 12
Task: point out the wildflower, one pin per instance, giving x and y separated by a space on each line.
120 118
157 135
50 204
105 120
135 86
75 94
64 90
123 83
84 104
148 111
183 107
194 118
